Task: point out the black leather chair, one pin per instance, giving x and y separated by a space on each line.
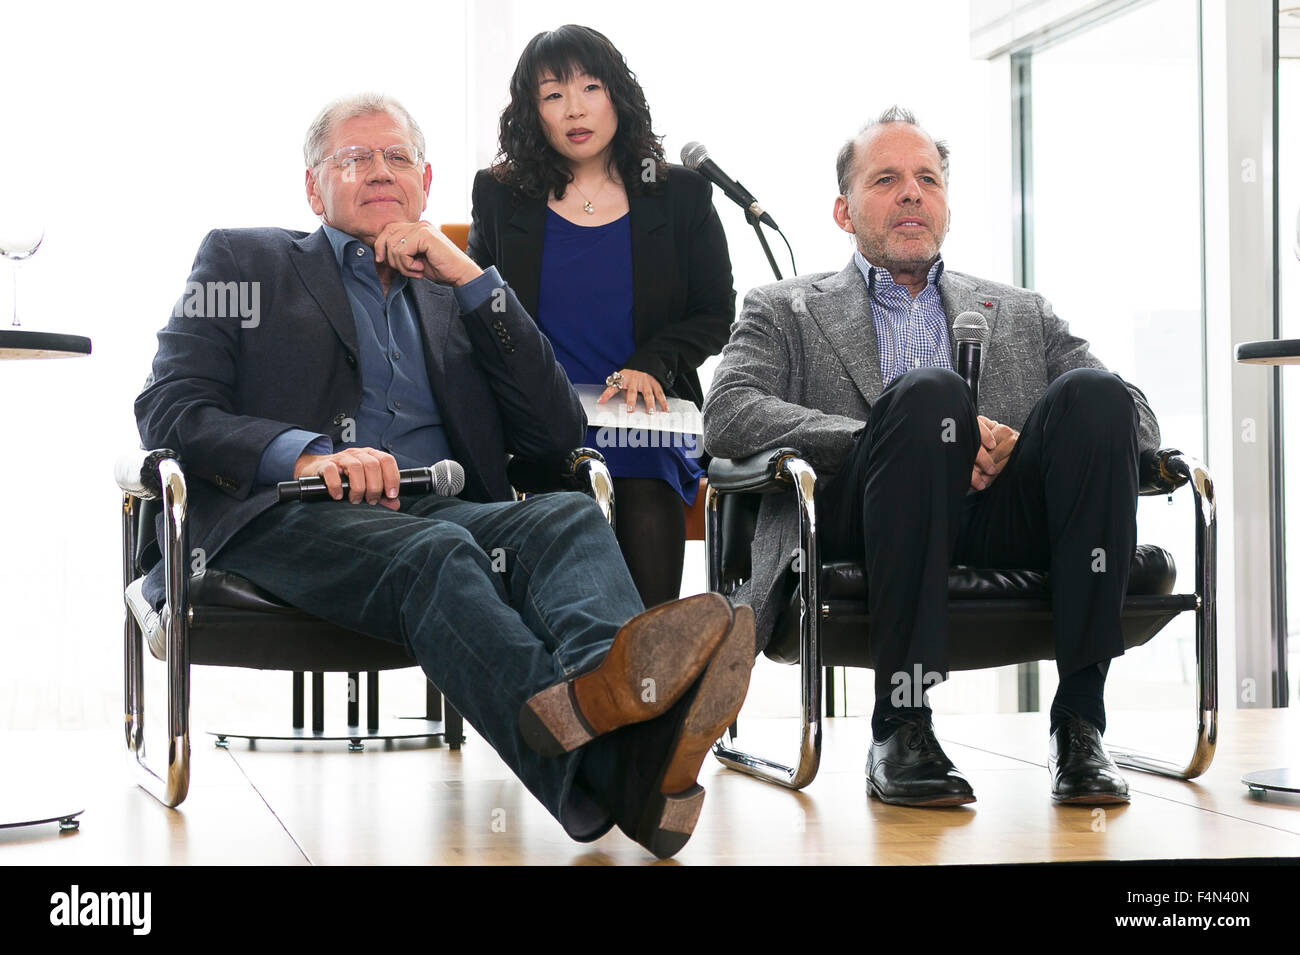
216 618
997 617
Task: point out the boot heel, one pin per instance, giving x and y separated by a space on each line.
675 819
551 722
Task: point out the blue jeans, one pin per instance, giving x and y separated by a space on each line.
496 602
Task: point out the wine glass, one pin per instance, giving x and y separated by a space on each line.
19 240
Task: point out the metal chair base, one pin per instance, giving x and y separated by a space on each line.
1273 780
68 822
415 727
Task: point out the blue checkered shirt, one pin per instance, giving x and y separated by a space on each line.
910 332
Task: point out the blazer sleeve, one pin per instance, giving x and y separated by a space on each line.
702 328
747 411
188 404
541 414
1066 352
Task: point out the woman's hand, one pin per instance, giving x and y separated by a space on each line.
635 383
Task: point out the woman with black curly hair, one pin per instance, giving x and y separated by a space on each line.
621 260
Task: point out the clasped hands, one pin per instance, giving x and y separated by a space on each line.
419 250
997 441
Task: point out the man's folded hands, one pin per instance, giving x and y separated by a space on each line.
997 441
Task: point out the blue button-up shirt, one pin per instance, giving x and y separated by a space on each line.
398 411
910 332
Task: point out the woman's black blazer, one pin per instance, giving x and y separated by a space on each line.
682 293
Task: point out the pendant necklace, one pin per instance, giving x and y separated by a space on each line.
588 207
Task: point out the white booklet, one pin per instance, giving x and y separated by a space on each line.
682 417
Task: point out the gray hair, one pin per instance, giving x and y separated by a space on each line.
350 107
845 159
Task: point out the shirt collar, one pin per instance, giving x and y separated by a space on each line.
339 241
879 279
346 248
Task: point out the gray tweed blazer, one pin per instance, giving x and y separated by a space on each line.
802 370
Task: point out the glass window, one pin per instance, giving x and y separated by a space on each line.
1288 153
1116 247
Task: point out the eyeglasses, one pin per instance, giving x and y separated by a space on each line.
399 158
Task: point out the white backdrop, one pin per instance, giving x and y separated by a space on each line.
138 127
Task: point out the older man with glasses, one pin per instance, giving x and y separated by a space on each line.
380 345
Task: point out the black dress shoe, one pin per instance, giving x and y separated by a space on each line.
910 768
1082 771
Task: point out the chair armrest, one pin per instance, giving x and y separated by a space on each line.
763 473
1166 470
1160 473
556 472
136 472
582 469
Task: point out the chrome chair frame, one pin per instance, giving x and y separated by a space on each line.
157 474
793 474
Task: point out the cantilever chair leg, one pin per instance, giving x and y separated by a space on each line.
811 613
172 788
810 655
1207 657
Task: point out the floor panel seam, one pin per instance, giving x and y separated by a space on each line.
297 845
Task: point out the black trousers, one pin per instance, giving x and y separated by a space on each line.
1066 501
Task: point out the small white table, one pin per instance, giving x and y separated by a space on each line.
17 343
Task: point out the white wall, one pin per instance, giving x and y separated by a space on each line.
140 127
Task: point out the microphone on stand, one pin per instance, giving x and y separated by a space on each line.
970 332
695 156
446 479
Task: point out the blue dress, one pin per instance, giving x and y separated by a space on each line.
584 306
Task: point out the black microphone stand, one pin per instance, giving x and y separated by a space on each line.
762 240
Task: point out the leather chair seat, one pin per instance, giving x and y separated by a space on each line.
1150 572
237 623
996 617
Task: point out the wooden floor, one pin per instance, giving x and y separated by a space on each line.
281 805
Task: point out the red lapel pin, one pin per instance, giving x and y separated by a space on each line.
988 304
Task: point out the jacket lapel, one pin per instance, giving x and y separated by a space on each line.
839 306
521 252
652 254
313 258
435 308
959 294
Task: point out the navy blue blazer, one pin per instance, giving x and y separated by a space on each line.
222 389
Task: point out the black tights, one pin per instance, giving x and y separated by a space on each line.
650 523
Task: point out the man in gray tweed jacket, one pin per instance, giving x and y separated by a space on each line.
854 368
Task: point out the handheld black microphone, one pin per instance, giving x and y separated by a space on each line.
695 156
970 332
446 479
